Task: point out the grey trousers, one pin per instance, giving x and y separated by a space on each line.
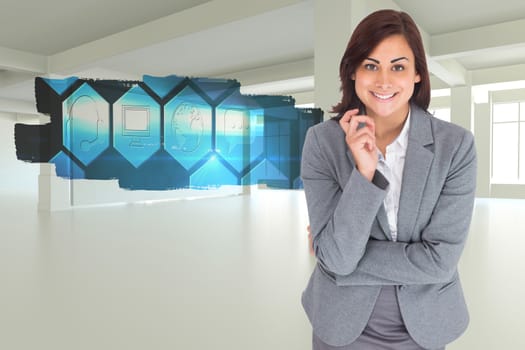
385 329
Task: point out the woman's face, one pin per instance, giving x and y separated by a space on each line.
385 80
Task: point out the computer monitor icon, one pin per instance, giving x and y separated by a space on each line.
136 124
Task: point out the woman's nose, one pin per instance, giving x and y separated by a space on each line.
383 81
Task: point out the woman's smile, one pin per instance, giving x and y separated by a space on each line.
383 97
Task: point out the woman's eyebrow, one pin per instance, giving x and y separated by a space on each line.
392 61
398 59
373 60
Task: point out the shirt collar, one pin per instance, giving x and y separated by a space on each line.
401 142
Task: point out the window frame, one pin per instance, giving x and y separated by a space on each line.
512 96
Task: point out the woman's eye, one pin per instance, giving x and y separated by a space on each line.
370 66
398 68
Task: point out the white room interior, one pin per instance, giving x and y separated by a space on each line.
87 265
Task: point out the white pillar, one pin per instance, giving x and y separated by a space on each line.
461 106
54 193
482 128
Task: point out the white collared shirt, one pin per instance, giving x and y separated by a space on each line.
391 166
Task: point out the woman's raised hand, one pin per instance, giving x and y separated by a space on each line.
361 140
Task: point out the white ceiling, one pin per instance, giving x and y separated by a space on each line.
51 26
446 16
124 39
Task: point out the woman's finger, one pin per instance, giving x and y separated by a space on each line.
346 118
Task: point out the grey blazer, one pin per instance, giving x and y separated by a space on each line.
352 241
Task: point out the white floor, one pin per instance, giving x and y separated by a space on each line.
223 273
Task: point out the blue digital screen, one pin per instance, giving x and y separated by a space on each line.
166 133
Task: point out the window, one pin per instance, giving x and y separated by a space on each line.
508 143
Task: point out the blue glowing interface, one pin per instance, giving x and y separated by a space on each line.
166 133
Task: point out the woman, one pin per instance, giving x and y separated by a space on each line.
390 193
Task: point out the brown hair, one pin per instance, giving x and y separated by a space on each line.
366 36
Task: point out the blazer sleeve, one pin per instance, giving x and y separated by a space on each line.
340 215
434 258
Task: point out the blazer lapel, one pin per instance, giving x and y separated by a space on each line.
418 160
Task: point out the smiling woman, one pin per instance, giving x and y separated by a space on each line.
385 256
384 82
